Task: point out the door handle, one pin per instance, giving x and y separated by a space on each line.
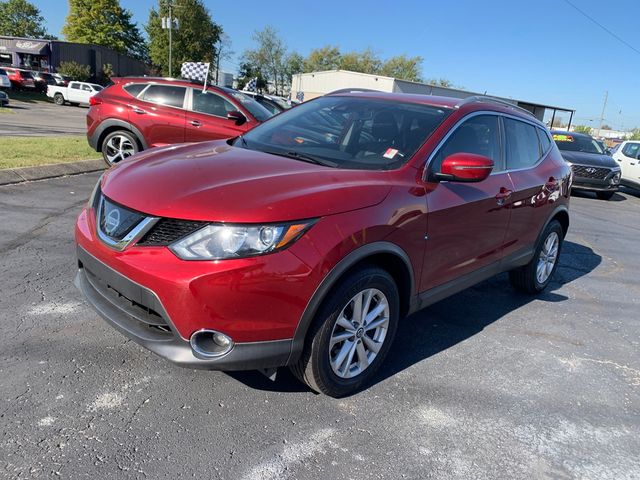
551 185
503 195
195 123
139 111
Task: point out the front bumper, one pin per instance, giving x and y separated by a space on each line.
594 185
135 311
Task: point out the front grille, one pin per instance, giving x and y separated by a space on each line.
584 171
169 230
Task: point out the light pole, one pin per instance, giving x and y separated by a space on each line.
168 23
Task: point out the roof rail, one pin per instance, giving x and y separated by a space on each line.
170 79
499 101
352 90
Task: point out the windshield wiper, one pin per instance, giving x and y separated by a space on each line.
242 140
305 158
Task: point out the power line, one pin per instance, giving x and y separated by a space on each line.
603 27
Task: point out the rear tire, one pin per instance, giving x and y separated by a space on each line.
604 195
119 145
351 333
536 275
58 99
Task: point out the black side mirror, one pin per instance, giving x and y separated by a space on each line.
237 117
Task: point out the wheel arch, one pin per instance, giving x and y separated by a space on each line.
112 125
385 255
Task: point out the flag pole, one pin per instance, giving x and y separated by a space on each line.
206 76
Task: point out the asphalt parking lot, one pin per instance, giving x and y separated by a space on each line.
41 119
488 384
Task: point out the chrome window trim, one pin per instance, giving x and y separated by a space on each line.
131 238
503 139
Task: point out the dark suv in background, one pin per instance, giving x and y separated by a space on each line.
136 113
593 169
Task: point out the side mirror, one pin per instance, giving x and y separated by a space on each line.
464 167
237 117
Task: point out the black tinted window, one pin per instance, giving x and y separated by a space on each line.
545 141
134 89
211 104
576 143
478 135
523 149
75 86
165 95
2 72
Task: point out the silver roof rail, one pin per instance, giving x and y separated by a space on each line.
353 90
499 101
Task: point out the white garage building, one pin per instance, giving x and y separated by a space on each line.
310 85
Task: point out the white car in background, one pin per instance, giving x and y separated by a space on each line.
75 94
4 79
628 156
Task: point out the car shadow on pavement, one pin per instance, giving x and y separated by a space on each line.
583 194
450 321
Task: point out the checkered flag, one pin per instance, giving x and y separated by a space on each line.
300 96
195 71
252 85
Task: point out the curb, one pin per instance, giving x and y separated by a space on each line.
28 174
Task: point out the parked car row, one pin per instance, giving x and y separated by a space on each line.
21 79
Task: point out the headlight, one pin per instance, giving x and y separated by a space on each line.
218 242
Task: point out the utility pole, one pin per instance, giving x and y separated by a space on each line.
168 23
218 59
604 106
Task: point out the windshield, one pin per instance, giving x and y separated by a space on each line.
258 111
575 143
348 132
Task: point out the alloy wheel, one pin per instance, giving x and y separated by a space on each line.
359 333
118 148
547 258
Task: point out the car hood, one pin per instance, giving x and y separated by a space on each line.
213 181
590 159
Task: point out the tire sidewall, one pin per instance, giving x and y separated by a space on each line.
58 99
124 133
369 278
554 226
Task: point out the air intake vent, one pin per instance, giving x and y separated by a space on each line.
169 230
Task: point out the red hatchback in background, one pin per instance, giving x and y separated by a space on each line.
303 242
20 79
136 113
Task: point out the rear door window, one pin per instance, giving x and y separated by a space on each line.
479 135
75 86
522 145
169 95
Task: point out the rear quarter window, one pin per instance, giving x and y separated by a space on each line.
168 95
134 89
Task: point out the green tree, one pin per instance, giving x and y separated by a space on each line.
79 72
366 61
293 64
194 40
247 72
320 59
582 129
403 67
269 56
106 23
635 134
19 18
440 82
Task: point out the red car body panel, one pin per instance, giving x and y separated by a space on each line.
446 229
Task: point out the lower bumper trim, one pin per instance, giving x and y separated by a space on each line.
243 356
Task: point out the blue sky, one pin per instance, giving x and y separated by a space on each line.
543 50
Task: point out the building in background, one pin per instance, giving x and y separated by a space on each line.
225 79
46 55
305 86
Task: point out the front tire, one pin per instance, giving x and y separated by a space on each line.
118 145
604 195
351 333
58 99
536 275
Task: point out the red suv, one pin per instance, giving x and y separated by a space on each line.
20 79
136 113
303 242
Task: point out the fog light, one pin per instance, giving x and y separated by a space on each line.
615 179
209 344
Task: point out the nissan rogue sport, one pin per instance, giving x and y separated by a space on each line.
305 241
